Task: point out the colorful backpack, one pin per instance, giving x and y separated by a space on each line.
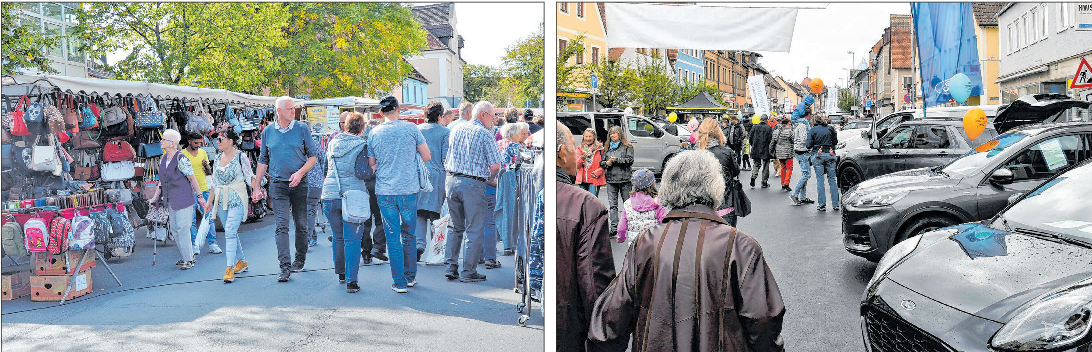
102 228
37 235
83 233
59 229
12 240
122 236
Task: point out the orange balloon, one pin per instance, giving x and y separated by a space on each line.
974 123
816 86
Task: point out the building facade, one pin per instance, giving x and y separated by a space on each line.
1040 48
413 90
985 18
441 63
690 66
575 19
57 19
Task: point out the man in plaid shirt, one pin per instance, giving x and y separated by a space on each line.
473 160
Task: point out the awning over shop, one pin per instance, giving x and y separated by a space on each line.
703 103
20 84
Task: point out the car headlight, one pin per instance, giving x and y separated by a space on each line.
894 255
879 199
1058 320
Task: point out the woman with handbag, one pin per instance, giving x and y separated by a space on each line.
178 188
589 175
711 138
430 204
229 200
341 158
618 163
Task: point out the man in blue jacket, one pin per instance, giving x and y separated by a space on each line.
821 141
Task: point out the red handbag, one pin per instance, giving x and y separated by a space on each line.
118 151
19 126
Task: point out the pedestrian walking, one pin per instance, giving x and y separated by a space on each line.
377 249
288 153
179 190
781 147
717 292
800 126
473 160
760 152
641 211
821 141
515 135
711 139
199 158
735 136
430 204
315 180
618 162
589 175
393 148
585 265
341 157
232 173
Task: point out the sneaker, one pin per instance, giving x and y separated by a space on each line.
795 201
380 255
452 274
508 253
836 208
352 287
241 267
313 242
411 282
420 252
786 188
807 201
366 259
475 277
180 262
297 266
399 290
821 208
215 249
752 183
492 264
187 265
765 185
341 278
286 274
229 275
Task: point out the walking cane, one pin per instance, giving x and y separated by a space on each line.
155 243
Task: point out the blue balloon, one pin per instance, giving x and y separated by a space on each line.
960 87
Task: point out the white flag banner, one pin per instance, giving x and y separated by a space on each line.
832 101
788 106
757 87
707 27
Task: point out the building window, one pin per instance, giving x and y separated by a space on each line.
1012 40
580 57
580 10
561 44
595 56
1025 39
1043 20
1063 16
1033 26
563 7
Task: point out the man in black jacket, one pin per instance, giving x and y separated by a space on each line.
821 141
735 135
760 151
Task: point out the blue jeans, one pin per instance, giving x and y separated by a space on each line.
591 188
505 214
489 244
231 218
466 203
200 213
803 162
824 163
400 215
347 237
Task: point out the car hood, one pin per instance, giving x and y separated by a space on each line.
989 273
1032 109
915 179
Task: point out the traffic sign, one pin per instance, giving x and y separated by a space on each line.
1083 78
906 97
867 104
594 81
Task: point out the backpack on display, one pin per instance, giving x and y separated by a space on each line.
122 236
37 235
82 235
59 229
102 227
12 239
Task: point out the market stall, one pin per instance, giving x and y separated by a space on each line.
700 106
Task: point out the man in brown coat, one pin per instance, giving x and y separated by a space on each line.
585 265
693 283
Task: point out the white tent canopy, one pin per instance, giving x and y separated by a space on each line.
20 84
703 26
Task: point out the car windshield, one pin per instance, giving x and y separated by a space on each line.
1067 197
978 157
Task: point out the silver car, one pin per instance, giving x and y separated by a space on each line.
652 146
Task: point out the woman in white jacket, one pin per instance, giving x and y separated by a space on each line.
229 200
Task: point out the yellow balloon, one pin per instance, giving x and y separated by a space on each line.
974 123
672 117
757 119
726 116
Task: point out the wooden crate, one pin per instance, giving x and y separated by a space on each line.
51 287
15 284
60 264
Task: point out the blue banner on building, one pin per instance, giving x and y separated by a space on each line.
947 45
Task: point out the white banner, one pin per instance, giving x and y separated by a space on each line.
757 87
707 26
832 101
788 106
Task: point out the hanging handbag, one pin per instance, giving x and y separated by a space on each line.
44 158
84 140
113 115
118 151
149 115
18 122
151 148
198 124
740 201
87 117
35 117
355 208
54 119
87 171
118 171
250 120
70 113
125 129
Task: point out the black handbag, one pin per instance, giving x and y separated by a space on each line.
740 202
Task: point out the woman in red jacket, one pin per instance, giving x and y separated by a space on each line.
590 175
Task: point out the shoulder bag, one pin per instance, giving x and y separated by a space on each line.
148 114
44 157
35 117
87 117
18 122
71 116
118 151
355 206
197 122
118 171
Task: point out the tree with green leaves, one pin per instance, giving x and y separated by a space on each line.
616 83
524 64
569 77
846 100
24 43
478 80
652 88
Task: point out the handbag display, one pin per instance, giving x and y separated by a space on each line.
355 207
70 114
150 147
44 157
35 117
118 171
54 119
18 123
84 140
87 170
197 122
113 115
87 117
118 151
149 115
251 119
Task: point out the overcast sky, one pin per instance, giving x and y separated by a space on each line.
489 28
823 37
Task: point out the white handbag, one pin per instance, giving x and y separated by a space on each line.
118 171
355 205
44 157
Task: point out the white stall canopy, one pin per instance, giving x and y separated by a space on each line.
20 84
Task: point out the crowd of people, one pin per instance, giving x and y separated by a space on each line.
409 173
682 230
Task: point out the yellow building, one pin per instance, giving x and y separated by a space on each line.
985 29
574 19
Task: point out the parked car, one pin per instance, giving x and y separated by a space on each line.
1019 281
886 210
652 145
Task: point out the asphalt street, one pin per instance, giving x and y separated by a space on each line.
162 308
820 282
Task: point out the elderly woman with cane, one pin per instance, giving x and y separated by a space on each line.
730 300
178 188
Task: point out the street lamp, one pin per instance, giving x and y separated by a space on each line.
849 80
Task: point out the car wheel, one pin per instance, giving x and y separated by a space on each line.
667 159
922 225
849 176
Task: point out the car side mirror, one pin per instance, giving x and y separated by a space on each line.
1002 177
875 144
